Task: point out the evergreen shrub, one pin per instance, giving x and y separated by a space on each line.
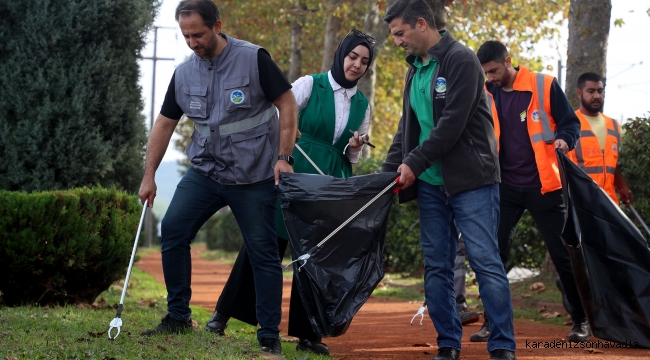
61 247
634 163
70 103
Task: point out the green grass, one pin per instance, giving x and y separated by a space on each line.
551 294
71 332
225 257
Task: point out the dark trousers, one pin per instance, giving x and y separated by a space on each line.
548 212
237 299
196 198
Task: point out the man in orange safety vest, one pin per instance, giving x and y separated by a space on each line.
596 153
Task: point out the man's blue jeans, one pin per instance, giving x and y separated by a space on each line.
476 213
196 199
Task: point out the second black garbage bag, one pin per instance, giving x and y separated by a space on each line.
339 276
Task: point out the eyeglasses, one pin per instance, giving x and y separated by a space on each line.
363 35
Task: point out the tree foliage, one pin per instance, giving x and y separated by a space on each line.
70 104
520 24
633 162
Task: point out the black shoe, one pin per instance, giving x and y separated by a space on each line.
313 346
447 353
483 334
565 301
502 354
271 346
217 324
468 317
580 332
169 325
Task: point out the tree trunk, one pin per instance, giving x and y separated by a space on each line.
374 26
295 59
439 12
588 34
331 35
548 267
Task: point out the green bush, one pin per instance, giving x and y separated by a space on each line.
64 246
222 232
633 162
403 252
70 103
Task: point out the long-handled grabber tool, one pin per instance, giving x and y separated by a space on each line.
420 312
639 218
305 257
116 323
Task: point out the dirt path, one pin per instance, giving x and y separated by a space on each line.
381 329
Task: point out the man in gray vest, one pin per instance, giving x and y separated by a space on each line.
230 89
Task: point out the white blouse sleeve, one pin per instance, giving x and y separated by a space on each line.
354 154
301 89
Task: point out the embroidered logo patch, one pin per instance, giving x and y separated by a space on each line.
237 96
441 84
195 105
614 148
535 116
522 116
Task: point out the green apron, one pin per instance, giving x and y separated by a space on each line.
316 123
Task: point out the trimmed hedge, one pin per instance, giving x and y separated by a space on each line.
61 247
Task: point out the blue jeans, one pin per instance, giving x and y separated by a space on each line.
196 199
476 213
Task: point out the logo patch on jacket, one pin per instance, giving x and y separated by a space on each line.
535 116
522 116
614 148
237 96
195 105
441 84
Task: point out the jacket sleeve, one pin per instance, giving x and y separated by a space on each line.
394 156
462 80
566 121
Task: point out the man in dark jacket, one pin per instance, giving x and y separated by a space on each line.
446 152
533 118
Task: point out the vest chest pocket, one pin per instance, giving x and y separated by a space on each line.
195 101
237 93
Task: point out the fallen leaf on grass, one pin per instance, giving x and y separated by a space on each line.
33 316
422 345
100 303
525 296
162 348
541 310
593 351
551 315
537 286
96 334
289 339
82 339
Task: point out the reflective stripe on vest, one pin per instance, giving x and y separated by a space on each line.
599 165
547 135
240 125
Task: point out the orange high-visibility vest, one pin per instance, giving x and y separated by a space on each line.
540 123
495 115
588 155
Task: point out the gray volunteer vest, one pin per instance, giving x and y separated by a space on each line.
236 129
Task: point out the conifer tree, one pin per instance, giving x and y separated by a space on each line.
70 103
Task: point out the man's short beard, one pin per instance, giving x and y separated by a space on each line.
590 108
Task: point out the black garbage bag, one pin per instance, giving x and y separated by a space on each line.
610 260
340 275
